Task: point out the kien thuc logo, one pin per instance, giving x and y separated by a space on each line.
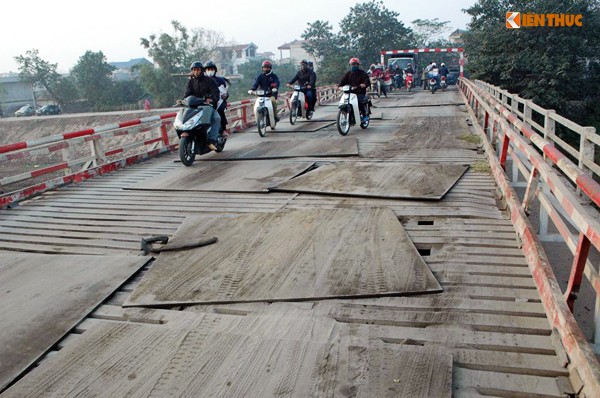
516 20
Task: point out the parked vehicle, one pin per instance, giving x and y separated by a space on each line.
263 110
48 110
192 125
298 105
25 110
348 111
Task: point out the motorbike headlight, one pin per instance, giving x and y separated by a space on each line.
297 88
260 92
191 122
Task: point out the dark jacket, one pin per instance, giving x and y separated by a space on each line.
444 71
409 70
203 86
266 82
305 77
355 79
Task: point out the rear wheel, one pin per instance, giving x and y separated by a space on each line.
261 123
294 112
221 143
343 122
186 152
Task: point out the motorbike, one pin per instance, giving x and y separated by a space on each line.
348 110
299 105
192 125
397 79
408 80
376 86
443 83
263 110
433 84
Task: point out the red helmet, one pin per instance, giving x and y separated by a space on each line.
354 61
267 64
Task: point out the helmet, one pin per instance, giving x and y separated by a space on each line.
408 64
267 64
433 64
211 65
304 62
310 64
196 64
443 64
354 61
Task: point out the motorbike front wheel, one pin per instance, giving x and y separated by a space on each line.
261 123
294 112
186 152
343 122
364 125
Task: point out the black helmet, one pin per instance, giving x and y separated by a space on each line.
304 62
196 64
211 65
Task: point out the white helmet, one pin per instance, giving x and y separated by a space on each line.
443 64
433 64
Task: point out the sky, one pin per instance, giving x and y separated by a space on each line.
63 30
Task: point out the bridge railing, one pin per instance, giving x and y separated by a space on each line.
558 184
79 155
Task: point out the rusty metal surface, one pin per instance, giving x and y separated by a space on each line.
37 307
381 180
229 176
277 149
289 255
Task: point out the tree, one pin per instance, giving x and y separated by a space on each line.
249 70
93 75
430 32
370 27
549 65
323 45
174 54
41 73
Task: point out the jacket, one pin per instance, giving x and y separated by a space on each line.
305 77
203 86
355 79
266 82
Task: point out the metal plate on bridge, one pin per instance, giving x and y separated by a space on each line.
276 149
214 355
288 255
301 126
226 176
380 180
42 297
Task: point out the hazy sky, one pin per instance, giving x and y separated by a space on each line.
64 30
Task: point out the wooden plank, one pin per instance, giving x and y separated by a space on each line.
43 297
290 255
279 149
230 176
378 180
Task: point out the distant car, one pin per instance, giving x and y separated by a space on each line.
48 110
453 75
25 110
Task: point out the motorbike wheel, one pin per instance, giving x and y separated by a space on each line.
221 143
261 124
186 154
343 122
294 113
309 115
364 125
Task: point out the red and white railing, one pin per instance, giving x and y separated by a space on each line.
77 166
557 183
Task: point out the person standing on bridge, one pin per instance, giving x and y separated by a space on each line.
268 80
314 88
359 80
223 84
203 87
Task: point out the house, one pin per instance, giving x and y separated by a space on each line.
230 57
266 55
129 70
15 93
294 52
456 36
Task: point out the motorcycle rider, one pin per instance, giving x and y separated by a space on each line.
358 79
435 73
268 80
407 70
202 86
306 79
210 69
314 88
444 70
377 74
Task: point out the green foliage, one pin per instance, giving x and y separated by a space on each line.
164 88
41 73
549 65
430 33
238 89
364 32
93 76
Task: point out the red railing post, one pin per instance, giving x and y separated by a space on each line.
165 135
581 255
504 152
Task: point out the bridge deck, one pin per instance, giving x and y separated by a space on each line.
485 334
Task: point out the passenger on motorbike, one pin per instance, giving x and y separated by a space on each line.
210 69
268 80
409 69
444 70
359 80
307 79
202 86
435 73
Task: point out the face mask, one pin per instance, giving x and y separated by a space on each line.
267 72
210 73
354 68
